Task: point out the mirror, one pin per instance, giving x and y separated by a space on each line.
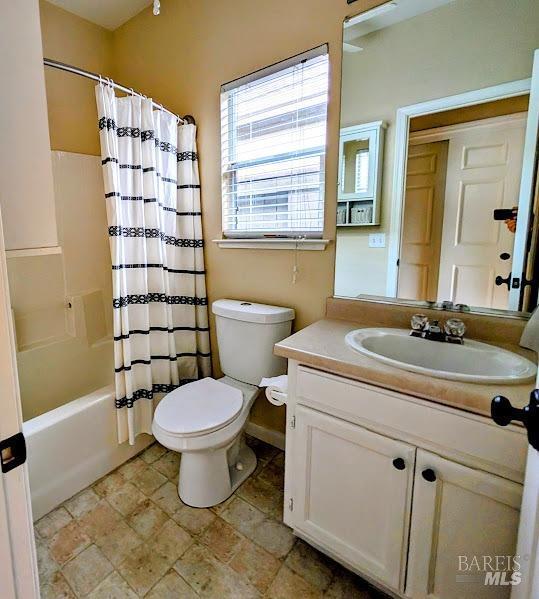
444 212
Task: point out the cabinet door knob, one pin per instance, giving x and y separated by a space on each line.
429 475
399 463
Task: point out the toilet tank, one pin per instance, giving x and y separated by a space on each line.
246 334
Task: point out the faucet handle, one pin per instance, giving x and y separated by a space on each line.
455 328
419 322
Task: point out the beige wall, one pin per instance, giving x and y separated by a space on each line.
62 302
462 46
65 352
70 98
182 57
26 189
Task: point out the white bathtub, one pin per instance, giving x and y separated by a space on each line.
72 446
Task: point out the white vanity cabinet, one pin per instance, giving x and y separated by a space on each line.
462 512
349 495
397 488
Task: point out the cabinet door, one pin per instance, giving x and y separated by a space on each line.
459 514
349 496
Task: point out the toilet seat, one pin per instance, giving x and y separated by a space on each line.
197 408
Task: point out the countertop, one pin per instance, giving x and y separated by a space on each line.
322 346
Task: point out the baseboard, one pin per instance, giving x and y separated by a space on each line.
267 435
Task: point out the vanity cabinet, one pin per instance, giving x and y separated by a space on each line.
458 511
397 488
349 494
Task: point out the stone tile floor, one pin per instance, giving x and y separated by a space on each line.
130 536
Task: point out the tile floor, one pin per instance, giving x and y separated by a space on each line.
130 536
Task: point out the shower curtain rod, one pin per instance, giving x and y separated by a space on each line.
62 66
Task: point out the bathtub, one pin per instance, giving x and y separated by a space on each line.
72 446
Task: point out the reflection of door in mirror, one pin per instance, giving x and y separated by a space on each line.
452 248
530 293
422 221
484 166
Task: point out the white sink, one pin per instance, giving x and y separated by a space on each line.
473 362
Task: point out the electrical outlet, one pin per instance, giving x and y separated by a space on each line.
377 240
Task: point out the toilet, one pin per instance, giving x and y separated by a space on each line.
204 420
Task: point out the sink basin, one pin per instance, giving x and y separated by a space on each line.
472 362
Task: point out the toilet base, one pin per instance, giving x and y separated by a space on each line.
207 478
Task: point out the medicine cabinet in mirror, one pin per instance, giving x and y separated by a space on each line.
360 161
454 193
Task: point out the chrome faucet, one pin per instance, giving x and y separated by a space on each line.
453 330
449 306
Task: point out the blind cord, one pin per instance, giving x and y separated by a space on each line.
295 268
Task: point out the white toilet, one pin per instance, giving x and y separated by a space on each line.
204 420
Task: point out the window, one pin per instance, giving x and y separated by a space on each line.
362 171
273 148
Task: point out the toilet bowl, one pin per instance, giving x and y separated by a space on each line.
204 420
215 459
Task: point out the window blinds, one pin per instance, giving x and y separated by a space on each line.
273 148
362 171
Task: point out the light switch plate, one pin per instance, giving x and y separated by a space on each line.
377 240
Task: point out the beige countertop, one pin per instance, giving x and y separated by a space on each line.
322 346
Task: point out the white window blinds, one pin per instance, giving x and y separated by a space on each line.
362 171
273 138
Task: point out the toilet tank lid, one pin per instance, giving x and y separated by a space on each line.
251 312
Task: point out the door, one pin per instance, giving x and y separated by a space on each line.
526 194
353 491
460 517
18 566
528 533
529 293
484 166
422 221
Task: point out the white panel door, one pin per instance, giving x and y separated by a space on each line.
528 188
422 221
18 567
483 173
528 533
460 514
349 496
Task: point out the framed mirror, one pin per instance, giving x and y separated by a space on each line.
455 192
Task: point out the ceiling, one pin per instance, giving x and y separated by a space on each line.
107 13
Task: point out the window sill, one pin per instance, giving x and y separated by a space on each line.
272 244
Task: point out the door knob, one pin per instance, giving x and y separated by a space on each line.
429 475
499 280
399 463
505 256
503 413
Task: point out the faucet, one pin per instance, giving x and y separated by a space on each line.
453 330
449 306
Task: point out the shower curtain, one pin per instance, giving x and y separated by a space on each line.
152 194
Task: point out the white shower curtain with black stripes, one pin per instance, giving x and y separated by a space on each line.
152 194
